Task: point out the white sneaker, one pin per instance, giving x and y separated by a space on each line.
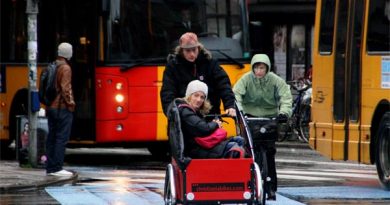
62 173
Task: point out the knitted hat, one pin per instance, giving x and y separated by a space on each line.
188 40
65 50
261 58
195 86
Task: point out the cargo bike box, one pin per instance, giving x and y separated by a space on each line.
210 181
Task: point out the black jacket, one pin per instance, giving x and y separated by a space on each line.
194 125
179 72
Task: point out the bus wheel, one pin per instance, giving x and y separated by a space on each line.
19 106
382 156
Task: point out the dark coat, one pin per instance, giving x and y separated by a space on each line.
194 125
179 72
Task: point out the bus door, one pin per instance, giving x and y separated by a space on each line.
78 27
346 84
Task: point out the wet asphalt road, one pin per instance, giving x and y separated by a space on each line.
135 177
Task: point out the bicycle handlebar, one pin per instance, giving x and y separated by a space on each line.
217 115
299 89
260 118
265 128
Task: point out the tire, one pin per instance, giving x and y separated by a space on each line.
261 160
284 131
257 185
169 198
19 106
303 123
382 155
264 176
293 127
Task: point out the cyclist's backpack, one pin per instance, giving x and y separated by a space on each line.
47 88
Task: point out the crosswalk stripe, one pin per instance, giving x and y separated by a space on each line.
336 192
74 195
338 163
160 174
139 180
104 194
311 178
362 171
334 174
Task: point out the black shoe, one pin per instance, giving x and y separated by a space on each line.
271 196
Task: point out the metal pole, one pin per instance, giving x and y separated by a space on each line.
32 11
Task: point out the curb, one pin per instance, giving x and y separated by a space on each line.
39 185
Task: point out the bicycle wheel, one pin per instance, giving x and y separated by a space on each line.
265 174
284 131
261 160
304 121
293 127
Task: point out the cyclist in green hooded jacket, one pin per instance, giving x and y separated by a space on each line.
262 93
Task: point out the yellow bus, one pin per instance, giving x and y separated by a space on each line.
351 83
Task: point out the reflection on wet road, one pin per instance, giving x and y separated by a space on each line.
113 176
106 194
111 186
299 186
133 177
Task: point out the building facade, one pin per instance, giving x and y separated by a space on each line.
283 29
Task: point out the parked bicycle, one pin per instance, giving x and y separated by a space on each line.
297 125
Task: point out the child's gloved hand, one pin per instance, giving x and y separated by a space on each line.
282 118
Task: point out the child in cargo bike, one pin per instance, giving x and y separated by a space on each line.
204 139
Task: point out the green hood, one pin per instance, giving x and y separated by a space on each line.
261 58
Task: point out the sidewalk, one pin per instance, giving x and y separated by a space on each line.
15 178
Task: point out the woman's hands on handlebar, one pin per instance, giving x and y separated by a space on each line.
218 118
231 112
218 121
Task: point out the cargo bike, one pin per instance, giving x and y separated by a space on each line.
211 181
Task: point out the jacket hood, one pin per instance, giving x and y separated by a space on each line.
261 58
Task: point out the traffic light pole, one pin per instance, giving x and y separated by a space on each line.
32 12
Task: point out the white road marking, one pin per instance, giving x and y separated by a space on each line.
320 173
338 163
308 178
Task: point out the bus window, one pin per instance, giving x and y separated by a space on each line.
378 39
340 69
357 37
16 21
150 29
327 26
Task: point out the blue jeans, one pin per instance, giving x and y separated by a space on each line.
60 125
234 141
